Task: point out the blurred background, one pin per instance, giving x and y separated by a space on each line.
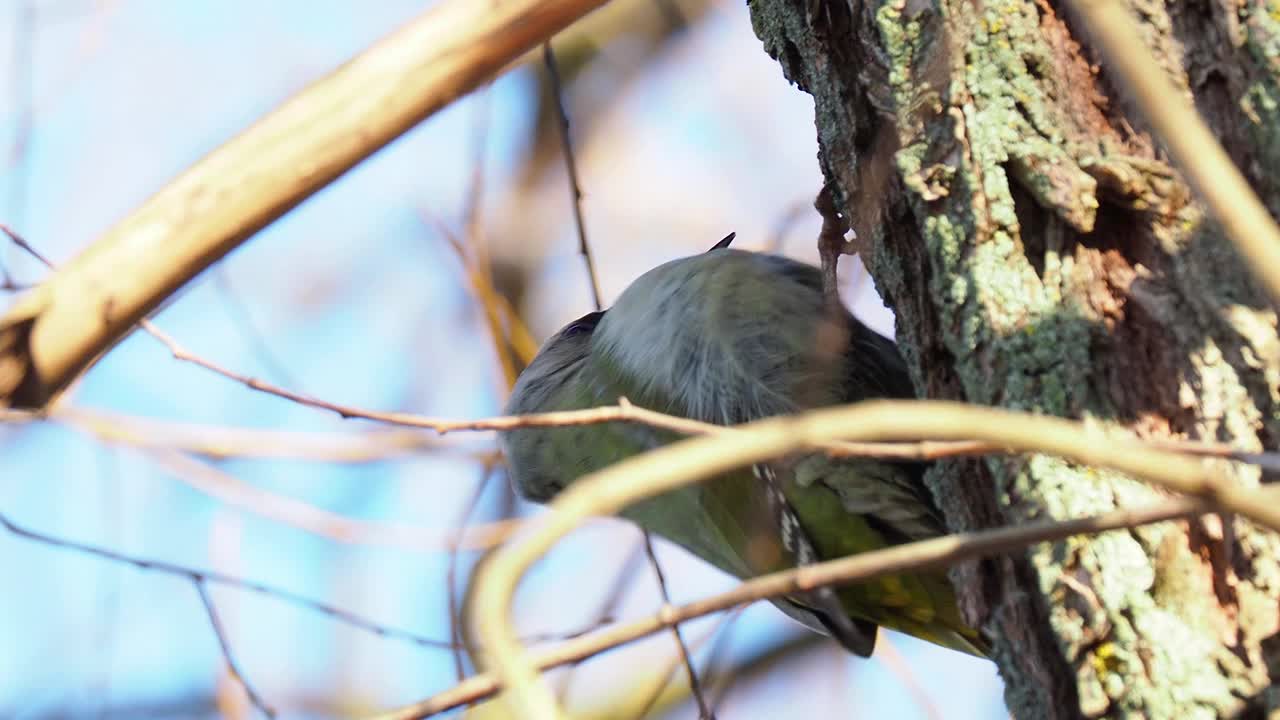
378 293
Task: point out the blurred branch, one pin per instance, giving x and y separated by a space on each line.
521 340
302 515
479 281
223 442
451 573
243 442
938 552
667 468
1187 138
663 696
58 330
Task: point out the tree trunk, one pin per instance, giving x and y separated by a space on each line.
1041 254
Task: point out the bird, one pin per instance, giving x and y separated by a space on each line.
731 336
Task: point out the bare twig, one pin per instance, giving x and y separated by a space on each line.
571 166
624 411
479 282
938 552
346 617
203 576
25 246
704 710
225 645
667 468
1190 142
58 330
575 188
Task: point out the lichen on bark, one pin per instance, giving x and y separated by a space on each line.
1041 254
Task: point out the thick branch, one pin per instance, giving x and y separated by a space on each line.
57 331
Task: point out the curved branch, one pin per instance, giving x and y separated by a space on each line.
58 330
673 466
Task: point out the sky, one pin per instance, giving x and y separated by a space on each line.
357 297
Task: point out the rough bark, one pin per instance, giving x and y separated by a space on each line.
1041 254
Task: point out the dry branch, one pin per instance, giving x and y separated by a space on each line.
683 463
938 552
58 330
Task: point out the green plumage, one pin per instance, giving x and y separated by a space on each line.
730 337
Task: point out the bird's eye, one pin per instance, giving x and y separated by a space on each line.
583 325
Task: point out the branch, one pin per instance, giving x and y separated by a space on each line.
938 552
207 577
225 645
667 468
571 168
204 576
56 332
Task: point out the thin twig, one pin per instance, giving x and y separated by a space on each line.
165 568
223 643
575 188
704 711
667 468
887 653
921 555
571 166
25 246
624 411
346 617
659 689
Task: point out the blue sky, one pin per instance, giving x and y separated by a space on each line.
360 300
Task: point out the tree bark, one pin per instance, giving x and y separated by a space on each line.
1041 254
